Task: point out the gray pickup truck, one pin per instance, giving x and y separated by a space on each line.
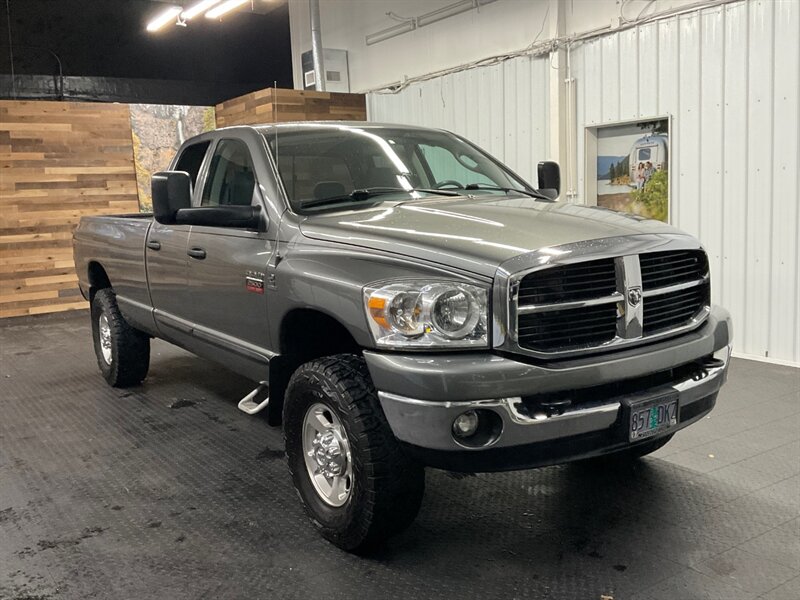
402 300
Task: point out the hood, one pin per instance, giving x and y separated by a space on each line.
473 234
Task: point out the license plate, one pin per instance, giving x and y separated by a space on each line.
651 417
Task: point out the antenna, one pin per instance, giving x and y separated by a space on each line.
275 117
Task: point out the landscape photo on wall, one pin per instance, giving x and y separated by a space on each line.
633 168
158 131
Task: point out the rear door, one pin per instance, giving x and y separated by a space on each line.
167 261
227 266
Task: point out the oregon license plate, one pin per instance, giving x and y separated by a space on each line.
652 417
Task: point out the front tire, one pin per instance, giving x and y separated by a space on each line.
357 485
123 352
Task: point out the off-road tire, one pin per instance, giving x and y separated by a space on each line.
387 486
130 348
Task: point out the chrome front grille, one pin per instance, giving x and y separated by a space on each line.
660 269
569 283
608 302
570 328
673 309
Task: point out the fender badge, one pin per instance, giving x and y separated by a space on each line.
254 282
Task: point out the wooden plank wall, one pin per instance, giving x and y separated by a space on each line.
62 160
274 105
58 161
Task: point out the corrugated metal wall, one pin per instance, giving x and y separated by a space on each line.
729 77
503 109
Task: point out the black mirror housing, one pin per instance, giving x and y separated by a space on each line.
171 192
241 217
549 175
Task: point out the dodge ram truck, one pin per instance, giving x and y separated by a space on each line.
402 300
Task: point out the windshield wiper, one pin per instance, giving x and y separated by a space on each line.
481 186
368 193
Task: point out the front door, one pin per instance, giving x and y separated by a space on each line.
167 262
165 255
227 267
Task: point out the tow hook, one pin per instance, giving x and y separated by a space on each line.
557 407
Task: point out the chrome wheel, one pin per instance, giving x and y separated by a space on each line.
105 338
327 455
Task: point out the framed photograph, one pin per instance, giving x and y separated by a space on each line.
627 167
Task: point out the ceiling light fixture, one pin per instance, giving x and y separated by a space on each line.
196 9
224 8
165 17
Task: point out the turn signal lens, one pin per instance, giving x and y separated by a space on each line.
377 307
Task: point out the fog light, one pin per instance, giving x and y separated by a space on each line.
465 424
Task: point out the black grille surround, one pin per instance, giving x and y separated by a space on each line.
603 303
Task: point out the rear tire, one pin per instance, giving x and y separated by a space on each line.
123 352
383 489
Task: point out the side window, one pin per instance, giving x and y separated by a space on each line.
230 180
191 159
446 167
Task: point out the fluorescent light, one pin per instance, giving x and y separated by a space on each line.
196 9
164 18
224 8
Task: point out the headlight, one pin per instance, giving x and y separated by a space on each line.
425 314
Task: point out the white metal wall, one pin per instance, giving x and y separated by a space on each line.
730 78
503 109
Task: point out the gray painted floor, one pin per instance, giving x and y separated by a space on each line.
167 491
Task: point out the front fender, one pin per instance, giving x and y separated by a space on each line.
330 279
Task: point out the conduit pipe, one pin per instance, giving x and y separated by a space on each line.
316 46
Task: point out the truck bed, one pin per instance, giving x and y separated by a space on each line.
113 246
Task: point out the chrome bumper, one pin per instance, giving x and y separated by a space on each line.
429 424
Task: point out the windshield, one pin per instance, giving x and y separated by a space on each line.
333 162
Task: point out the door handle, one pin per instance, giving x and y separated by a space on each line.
197 253
154 245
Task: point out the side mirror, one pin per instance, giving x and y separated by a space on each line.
171 191
549 179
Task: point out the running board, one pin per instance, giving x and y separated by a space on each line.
249 405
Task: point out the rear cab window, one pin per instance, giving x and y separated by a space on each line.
231 178
191 160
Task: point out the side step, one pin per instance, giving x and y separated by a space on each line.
249 405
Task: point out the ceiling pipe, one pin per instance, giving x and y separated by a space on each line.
316 46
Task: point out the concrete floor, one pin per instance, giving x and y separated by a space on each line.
167 491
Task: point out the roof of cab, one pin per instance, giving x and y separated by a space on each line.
306 125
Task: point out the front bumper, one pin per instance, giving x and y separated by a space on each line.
422 395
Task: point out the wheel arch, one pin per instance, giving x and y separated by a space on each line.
97 277
303 335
